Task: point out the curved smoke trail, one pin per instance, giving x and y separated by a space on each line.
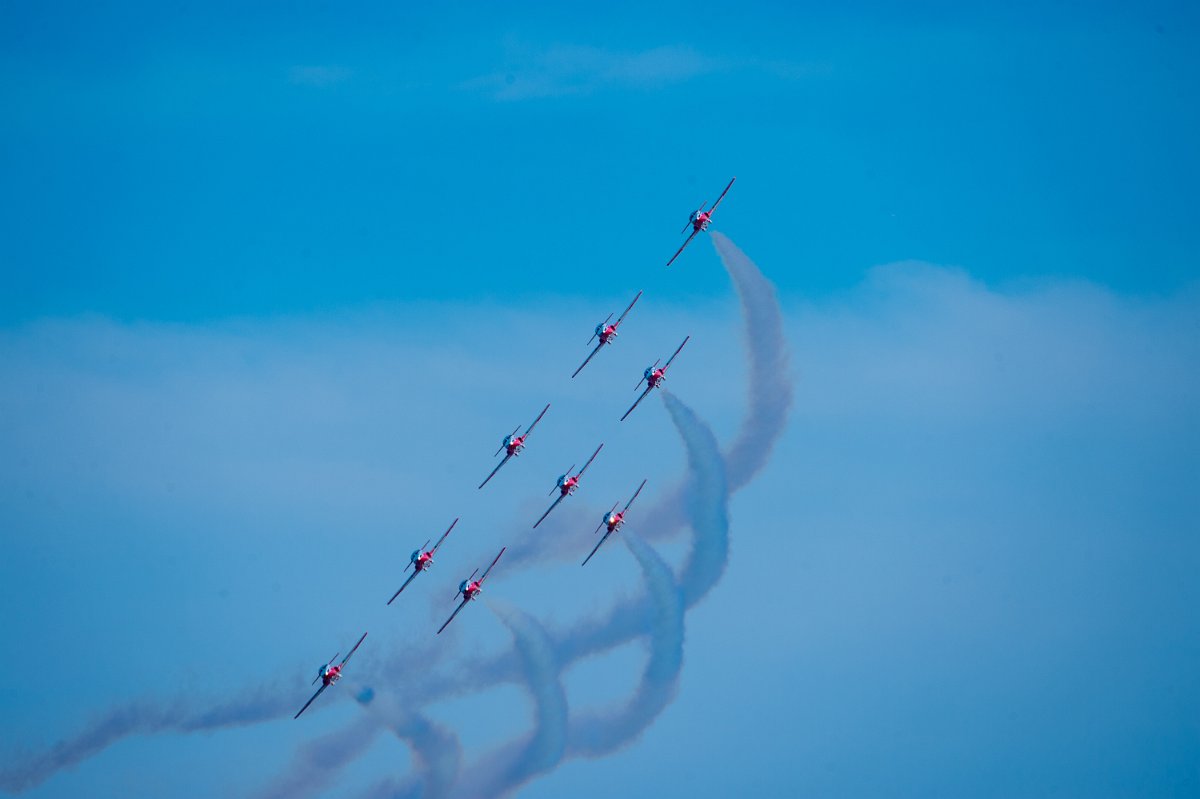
705 564
515 763
437 753
316 764
595 735
769 393
268 701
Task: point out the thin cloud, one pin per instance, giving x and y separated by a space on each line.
318 76
566 70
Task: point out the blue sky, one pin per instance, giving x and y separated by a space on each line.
208 162
276 280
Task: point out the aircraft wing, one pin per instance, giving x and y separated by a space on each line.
489 568
639 399
356 646
462 605
310 701
493 474
635 496
668 363
411 577
535 421
627 310
686 242
722 197
547 513
589 461
443 538
588 358
594 551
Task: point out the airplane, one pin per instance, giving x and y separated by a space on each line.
469 590
420 562
699 221
513 444
653 377
567 483
329 674
606 333
613 521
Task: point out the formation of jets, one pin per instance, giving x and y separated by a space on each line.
566 485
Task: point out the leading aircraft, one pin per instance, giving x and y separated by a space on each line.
654 377
699 221
513 444
329 674
606 333
613 521
469 589
567 483
422 561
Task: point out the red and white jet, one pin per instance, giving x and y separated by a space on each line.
420 561
613 521
513 444
606 333
329 674
654 377
468 589
699 221
566 484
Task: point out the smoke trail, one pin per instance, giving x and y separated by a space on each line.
770 387
437 754
705 564
317 763
513 764
144 717
599 734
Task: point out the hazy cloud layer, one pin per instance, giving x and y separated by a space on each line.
269 438
563 70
